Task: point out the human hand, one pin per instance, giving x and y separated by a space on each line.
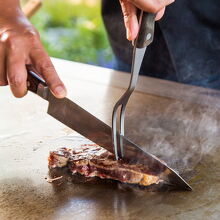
129 8
20 45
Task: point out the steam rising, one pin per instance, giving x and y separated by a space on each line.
181 135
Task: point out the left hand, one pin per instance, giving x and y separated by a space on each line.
129 12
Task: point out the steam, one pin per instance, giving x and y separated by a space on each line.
181 135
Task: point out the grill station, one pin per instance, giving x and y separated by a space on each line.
178 123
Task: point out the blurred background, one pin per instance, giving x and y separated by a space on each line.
73 30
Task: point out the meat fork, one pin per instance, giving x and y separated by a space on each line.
144 38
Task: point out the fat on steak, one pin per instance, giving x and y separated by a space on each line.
91 160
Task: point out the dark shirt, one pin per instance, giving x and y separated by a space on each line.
186 46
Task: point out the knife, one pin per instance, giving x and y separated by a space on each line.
81 121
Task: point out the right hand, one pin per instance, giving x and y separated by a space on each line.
20 45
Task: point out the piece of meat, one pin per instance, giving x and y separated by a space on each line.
92 161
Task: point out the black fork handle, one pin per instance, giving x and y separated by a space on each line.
146 30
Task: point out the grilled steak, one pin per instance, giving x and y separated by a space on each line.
92 161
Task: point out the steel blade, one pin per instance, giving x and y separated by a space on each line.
81 121
135 155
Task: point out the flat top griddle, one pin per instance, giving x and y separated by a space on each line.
178 123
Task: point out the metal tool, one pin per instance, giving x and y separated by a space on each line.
78 119
144 38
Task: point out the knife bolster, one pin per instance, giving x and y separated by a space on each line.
43 91
36 84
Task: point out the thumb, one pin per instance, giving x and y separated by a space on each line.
130 19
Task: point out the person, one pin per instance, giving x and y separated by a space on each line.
20 45
172 55
186 46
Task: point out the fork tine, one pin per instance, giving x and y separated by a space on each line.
122 126
114 132
118 130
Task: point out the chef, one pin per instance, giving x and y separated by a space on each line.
185 48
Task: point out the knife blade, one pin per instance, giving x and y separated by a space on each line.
81 121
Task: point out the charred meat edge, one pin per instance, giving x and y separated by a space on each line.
94 161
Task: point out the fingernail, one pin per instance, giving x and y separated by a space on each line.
60 91
128 34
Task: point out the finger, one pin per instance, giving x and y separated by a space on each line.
3 78
152 6
16 75
160 14
130 19
44 66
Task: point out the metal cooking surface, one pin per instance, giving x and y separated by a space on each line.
169 128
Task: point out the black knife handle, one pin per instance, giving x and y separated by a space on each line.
33 80
146 30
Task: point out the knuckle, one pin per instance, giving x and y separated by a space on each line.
46 65
3 37
13 38
131 1
154 8
3 83
9 39
127 17
32 36
15 80
159 4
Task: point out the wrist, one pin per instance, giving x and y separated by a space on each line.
10 10
15 20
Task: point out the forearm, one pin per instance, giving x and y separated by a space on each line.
11 16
